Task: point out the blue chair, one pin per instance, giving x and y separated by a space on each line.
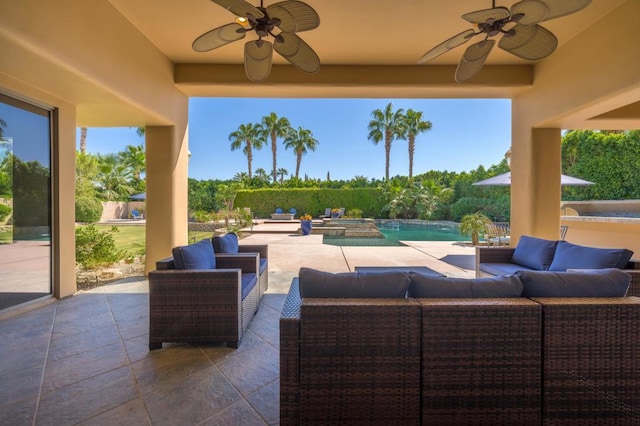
292 211
136 215
278 210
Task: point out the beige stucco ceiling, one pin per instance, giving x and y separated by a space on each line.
351 32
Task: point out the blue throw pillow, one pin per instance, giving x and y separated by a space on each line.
572 256
445 287
534 253
226 244
195 256
593 283
314 283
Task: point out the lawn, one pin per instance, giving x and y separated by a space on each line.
131 238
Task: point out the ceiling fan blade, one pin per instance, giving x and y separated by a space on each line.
218 37
447 45
558 8
295 16
531 42
258 55
529 12
480 16
240 8
296 51
473 59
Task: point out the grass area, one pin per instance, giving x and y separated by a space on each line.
132 238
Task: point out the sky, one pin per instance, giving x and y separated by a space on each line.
465 134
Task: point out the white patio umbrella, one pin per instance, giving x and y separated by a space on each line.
505 180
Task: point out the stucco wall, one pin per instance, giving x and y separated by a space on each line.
604 232
119 209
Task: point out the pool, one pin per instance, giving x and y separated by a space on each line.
395 231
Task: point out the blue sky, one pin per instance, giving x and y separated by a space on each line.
466 133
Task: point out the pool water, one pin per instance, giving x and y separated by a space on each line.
396 231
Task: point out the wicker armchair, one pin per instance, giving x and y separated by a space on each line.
202 305
251 249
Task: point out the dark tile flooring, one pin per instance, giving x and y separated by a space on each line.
85 360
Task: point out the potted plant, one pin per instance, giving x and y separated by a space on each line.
335 213
474 224
305 224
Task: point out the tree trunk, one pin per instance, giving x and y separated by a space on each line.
83 140
274 149
412 149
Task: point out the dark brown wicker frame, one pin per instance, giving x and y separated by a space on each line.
504 255
201 305
591 361
483 361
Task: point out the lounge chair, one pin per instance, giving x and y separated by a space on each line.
498 234
136 215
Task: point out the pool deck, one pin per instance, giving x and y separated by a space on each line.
289 251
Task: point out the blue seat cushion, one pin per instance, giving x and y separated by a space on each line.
446 287
610 282
314 283
573 256
535 253
195 256
263 265
249 281
227 244
502 268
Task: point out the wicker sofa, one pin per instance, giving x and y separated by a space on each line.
480 361
493 261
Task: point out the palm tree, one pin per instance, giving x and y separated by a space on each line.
385 125
282 172
301 141
275 127
134 159
249 136
262 174
83 140
412 125
474 224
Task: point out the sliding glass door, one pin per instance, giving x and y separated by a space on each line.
25 201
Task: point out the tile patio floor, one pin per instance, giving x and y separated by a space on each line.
85 360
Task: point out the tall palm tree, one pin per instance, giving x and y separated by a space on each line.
275 127
134 159
301 141
411 126
385 124
247 135
83 140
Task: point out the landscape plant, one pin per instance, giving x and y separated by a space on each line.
95 248
474 224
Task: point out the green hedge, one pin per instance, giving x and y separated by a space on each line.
313 201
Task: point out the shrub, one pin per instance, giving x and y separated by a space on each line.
95 248
88 210
5 211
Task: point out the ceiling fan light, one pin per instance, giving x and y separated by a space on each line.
243 21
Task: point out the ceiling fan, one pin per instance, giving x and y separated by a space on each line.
521 34
289 17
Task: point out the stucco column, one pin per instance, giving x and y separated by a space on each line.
535 182
166 204
63 218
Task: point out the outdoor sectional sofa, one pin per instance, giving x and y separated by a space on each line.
390 348
537 254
